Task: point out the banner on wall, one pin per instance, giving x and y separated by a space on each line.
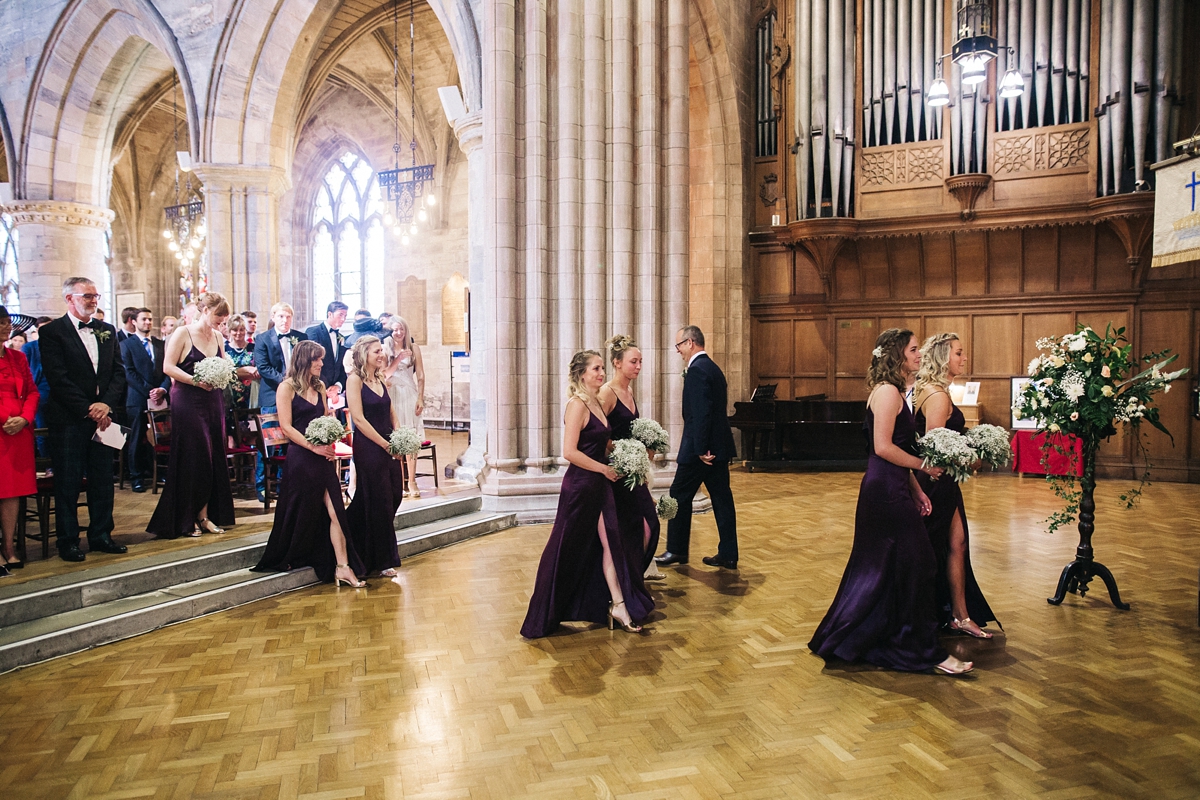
1176 213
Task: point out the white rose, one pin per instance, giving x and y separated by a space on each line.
1054 427
1107 391
1034 366
1077 344
1105 371
1058 361
1087 357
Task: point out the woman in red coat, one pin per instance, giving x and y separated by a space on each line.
18 473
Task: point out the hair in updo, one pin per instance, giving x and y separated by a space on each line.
358 355
618 346
935 361
888 366
579 365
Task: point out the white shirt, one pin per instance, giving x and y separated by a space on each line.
694 357
286 347
88 337
333 339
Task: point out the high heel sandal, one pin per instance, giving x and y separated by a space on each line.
960 625
628 627
339 581
963 668
388 573
206 525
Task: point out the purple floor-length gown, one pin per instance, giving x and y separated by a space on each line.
636 506
946 497
379 489
570 578
884 609
300 535
197 472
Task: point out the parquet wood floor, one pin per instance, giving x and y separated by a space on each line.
422 687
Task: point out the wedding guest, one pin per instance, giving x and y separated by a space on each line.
960 601
31 335
99 315
243 392
379 487
884 611
33 354
406 384
705 450
145 382
251 327
128 323
168 327
363 324
585 573
328 334
197 497
310 520
18 472
83 366
635 507
190 314
272 355
16 342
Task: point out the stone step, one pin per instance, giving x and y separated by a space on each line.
420 512
434 535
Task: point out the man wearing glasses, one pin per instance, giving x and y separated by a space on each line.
705 450
83 366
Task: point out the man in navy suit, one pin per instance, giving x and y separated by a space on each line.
705 450
128 323
83 365
328 334
144 381
272 354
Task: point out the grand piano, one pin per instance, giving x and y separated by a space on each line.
806 434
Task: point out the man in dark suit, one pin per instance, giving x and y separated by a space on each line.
272 354
328 334
128 323
144 381
705 450
83 365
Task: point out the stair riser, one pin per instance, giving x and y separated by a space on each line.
441 539
412 517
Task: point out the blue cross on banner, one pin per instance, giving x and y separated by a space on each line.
1193 186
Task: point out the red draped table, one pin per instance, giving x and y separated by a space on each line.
1028 447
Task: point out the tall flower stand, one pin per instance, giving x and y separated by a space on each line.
1078 574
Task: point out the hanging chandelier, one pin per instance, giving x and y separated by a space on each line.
186 229
405 186
975 46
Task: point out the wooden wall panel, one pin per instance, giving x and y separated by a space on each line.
913 323
1112 268
1076 258
847 274
905 257
1099 320
806 280
1040 256
852 388
1004 262
873 261
1162 330
1039 326
938 259
772 348
804 387
970 262
855 339
810 348
772 278
960 325
994 400
997 345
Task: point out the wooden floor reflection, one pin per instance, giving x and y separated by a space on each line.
422 687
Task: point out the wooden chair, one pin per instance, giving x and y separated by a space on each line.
42 511
159 424
428 452
344 450
272 443
242 446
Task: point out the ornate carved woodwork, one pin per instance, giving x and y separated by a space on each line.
966 190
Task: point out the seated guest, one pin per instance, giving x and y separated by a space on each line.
31 335
87 381
328 334
128 323
251 327
189 314
144 382
244 393
16 342
18 473
33 354
272 355
361 317
99 315
167 327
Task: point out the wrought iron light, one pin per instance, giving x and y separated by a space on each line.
975 44
186 229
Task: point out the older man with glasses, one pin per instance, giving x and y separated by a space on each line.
83 366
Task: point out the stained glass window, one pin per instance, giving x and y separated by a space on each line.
347 237
10 280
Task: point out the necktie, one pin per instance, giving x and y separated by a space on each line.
149 349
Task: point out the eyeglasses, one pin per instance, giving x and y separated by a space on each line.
677 344
85 296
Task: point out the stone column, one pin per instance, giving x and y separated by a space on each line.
241 210
469 130
57 240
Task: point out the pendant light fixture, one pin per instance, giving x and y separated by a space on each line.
186 229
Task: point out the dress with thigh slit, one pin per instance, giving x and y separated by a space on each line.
635 507
378 491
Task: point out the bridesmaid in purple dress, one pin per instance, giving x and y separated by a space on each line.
380 475
884 609
960 602
635 507
197 493
310 521
584 573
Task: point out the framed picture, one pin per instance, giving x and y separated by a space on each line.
1018 386
971 395
128 299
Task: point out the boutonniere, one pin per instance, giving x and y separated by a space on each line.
101 336
340 339
683 374
292 340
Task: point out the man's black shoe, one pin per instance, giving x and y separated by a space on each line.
668 558
71 553
717 561
139 487
107 546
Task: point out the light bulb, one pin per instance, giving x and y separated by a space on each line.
430 200
195 243
422 216
412 229
404 240
974 70
202 229
397 230
1012 84
388 220
166 234
939 93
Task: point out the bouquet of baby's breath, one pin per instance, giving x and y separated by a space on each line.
667 507
324 431
991 445
651 434
215 371
629 460
942 447
404 442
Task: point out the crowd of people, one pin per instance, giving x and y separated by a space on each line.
75 376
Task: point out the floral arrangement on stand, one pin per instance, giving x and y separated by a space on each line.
1084 385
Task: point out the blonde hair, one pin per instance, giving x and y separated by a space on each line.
396 321
299 373
618 346
236 323
213 302
888 366
935 362
579 365
358 355
282 307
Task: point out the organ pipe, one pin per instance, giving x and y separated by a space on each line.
1025 58
1105 90
889 69
1085 58
877 67
916 72
903 52
820 57
848 59
836 121
932 50
1058 57
1119 83
1164 79
1041 59
1141 66
868 74
803 104
1072 76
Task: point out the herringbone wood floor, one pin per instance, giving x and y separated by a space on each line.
422 688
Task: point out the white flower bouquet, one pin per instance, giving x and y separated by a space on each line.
324 431
991 445
404 442
215 371
651 434
667 507
942 447
629 460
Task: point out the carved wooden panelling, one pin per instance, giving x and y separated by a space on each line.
1061 148
412 308
454 309
894 167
